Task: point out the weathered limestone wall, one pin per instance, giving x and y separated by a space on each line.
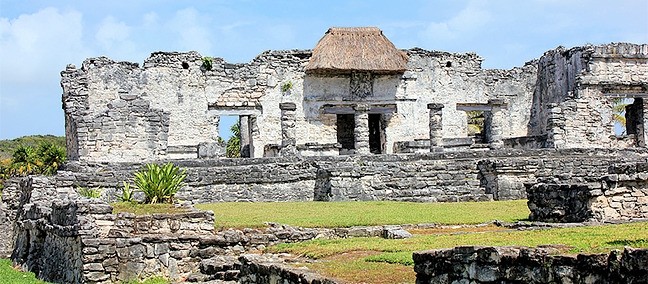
167 108
429 177
528 265
572 103
621 193
257 269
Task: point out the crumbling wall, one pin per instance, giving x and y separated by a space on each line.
621 193
528 265
572 103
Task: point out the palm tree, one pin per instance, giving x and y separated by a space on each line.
618 113
233 148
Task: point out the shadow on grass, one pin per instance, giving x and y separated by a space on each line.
630 243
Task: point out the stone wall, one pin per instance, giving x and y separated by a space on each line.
428 177
572 103
165 109
621 193
257 269
528 265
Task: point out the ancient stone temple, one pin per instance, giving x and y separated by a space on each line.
354 93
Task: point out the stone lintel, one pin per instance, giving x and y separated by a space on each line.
492 104
435 106
350 109
287 106
361 108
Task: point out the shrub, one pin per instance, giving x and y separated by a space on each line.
51 158
89 192
160 183
208 63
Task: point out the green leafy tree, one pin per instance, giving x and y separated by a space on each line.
618 113
51 158
160 183
233 148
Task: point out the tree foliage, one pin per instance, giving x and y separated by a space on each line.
618 113
233 148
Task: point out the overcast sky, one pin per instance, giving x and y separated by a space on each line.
39 38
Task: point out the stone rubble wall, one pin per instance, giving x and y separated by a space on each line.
621 193
65 238
256 269
528 265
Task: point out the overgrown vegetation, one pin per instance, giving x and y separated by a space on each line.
207 63
233 148
8 274
287 86
347 214
160 183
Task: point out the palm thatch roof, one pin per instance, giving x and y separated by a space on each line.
345 50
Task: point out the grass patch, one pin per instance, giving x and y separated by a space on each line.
145 209
377 258
592 239
10 275
370 213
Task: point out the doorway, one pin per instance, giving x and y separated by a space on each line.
345 127
376 134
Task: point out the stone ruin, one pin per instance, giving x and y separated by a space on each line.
336 123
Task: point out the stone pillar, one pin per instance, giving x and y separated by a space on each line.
642 121
288 135
244 129
361 131
493 124
436 127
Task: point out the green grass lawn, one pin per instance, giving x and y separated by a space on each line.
347 214
10 275
145 209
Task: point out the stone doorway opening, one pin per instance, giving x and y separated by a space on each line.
476 120
236 129
376 133
345 126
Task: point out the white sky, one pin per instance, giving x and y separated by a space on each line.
39 38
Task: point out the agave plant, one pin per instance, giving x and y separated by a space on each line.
160 183
127 193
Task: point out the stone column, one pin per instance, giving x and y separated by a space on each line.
493 124
244 129
436 127
361 131
642 121
288 135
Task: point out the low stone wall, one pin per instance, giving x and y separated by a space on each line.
621 194
429 177
256 269
528 265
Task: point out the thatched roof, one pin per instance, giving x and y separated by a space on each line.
343 50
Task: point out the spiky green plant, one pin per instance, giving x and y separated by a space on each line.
127 193
90 192
160 183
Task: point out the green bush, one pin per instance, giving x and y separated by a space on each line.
160 183
208 63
